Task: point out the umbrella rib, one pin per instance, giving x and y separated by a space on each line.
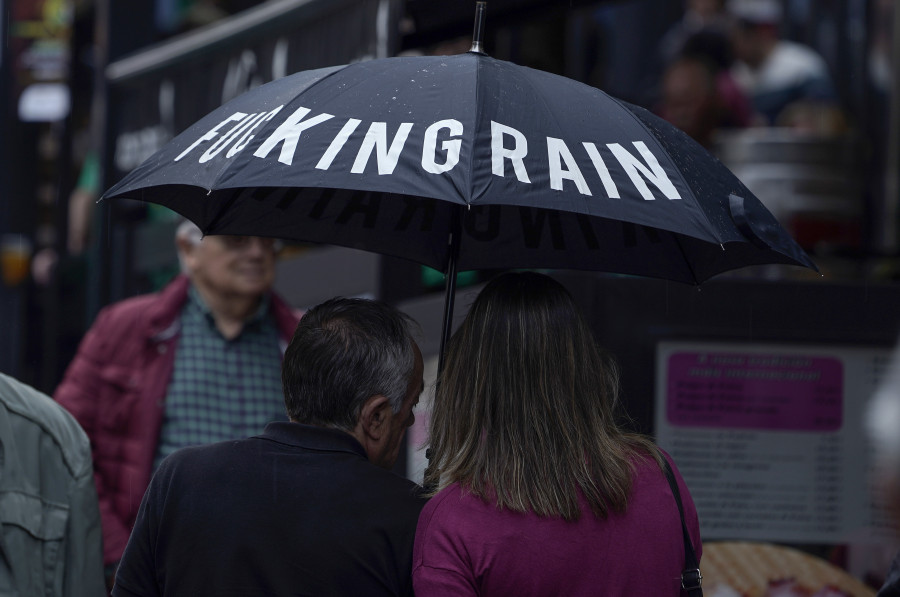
662 150
687 260
479 58
231 198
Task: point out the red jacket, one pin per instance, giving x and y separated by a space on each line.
116 387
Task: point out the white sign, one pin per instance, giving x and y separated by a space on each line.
770 438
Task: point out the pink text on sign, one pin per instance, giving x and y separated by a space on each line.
755 391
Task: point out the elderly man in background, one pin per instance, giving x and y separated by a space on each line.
309 507
50 541
196 363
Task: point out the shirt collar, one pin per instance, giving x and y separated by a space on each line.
197 301
313 438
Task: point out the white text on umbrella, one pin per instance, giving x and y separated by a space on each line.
507 144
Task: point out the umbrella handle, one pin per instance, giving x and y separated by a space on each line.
449 299
449 289
478 30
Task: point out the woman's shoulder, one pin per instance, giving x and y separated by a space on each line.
647 469
448 498
452 504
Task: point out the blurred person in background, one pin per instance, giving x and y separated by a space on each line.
714 49
690 100
699 16
197 362
775 72
309 506
538 491
700 97
698 93
49 518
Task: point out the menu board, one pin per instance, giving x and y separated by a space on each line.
770 438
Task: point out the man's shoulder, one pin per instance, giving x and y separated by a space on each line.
205 461
379 493
146 310
42 411
214 452
390 485
403 484
242 456
129 309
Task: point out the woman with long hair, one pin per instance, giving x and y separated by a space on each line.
537 489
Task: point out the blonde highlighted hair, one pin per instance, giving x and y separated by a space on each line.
524 411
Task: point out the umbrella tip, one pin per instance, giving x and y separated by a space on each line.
478 31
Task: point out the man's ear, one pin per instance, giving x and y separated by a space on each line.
185 249
374 417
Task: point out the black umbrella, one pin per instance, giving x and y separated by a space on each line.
463 162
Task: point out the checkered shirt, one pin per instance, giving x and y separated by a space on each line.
221 389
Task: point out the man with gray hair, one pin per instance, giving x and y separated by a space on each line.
196 363
309 507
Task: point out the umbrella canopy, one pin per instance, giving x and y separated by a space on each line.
463 161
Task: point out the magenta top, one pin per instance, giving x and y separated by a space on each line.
465 546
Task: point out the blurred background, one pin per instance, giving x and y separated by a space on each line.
93 87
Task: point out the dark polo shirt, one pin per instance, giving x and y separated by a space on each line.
298 510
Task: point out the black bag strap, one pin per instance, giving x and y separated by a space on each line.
690 576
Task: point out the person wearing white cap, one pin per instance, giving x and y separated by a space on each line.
774 72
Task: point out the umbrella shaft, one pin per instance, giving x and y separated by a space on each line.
478 30
450 290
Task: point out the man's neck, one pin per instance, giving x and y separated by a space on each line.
230 312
